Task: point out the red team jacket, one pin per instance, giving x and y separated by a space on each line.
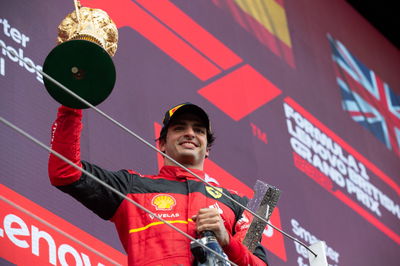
173 195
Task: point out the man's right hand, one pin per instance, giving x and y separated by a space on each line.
209 219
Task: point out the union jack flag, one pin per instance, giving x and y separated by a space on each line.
369 100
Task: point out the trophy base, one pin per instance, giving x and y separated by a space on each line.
83 67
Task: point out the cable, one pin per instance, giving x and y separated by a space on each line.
25 134
160 152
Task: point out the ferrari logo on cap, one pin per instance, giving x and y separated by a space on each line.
163 202
216 193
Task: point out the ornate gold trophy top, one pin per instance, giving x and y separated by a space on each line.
89 24
87 38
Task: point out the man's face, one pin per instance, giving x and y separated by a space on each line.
186 141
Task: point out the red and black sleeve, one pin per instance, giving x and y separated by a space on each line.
66 132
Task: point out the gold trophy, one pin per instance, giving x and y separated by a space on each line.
87 39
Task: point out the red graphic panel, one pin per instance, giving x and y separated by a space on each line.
126 13
240 92
191 32
177 35
25 238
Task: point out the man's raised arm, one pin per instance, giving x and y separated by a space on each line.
65 139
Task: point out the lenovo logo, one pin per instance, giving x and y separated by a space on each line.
25 240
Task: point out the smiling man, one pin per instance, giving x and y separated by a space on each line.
187 137
173 194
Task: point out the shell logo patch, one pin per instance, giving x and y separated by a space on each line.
216 193
163 202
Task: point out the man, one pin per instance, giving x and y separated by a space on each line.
173 194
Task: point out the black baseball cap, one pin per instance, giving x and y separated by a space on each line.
185 108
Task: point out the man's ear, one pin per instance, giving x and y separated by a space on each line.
207 152
161 145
